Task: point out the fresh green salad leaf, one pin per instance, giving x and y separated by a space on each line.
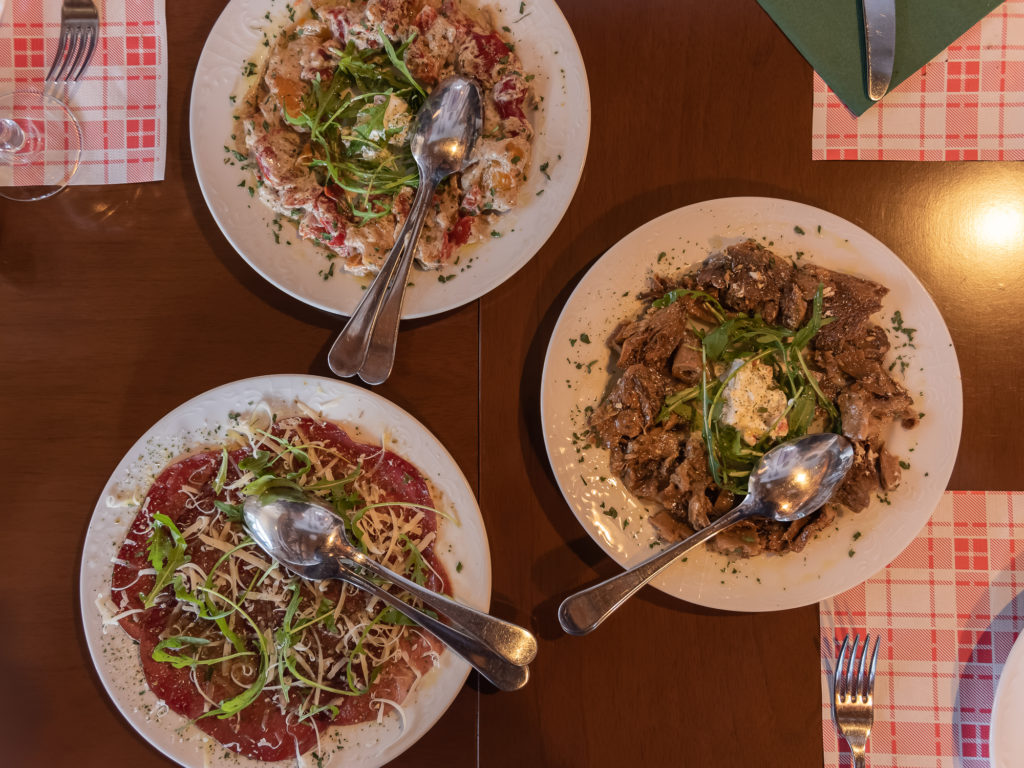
166 554
222 473
346 120
163 649
737 341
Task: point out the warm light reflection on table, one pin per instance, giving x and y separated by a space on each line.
999 224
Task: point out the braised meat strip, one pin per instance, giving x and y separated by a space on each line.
656 418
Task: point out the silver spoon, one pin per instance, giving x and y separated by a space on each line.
789 482
447 127
310 539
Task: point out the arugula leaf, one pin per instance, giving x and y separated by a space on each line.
271 487
232 512
325 613
177 643
180 643
746 339
677 403
296 450
222 473
710 302
803 336
801 414
235 704
351 477
399 63
392 616
715 340
370 120
415 564
283 637
330 709
166 554
259 463
335 116
207 608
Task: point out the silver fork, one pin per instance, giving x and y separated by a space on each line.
853 691
79 30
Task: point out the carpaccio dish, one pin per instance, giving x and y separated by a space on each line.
327 126
259 659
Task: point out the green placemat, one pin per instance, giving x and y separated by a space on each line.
830 35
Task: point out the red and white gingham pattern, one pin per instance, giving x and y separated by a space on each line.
966 104
121 102
948 610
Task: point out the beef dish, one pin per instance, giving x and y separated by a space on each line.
749 349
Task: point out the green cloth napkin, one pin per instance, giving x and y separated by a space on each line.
830 35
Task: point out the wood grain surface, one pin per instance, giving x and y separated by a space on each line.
119 303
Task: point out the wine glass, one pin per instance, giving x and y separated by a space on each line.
40 145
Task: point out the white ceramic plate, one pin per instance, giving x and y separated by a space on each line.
576 375
547 48
198 423
1006 742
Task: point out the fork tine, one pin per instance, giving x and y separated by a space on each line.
74 44
91 35
871 672
839 676
861 686
851 681
61 54
79 53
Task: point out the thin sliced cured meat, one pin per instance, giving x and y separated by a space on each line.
332 678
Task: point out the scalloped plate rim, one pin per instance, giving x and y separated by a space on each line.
693 580
469 539
532 222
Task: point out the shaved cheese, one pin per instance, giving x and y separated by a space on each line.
108 611
200 524
260 419
142 572
319 668
394 705
209 703
122 499
305 410
241 554
321 647
277 599
244 479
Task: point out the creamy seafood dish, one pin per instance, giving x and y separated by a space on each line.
326 127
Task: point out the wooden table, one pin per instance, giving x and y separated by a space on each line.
119 303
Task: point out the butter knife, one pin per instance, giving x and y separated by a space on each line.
880 42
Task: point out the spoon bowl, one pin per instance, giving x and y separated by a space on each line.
789 482
796 478
294 532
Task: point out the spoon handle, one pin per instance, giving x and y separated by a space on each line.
500 672
380 353
350 348
582 612
509 641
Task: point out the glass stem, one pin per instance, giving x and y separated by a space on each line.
12 138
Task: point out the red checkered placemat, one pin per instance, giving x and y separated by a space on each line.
121 102
966 104
948 610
